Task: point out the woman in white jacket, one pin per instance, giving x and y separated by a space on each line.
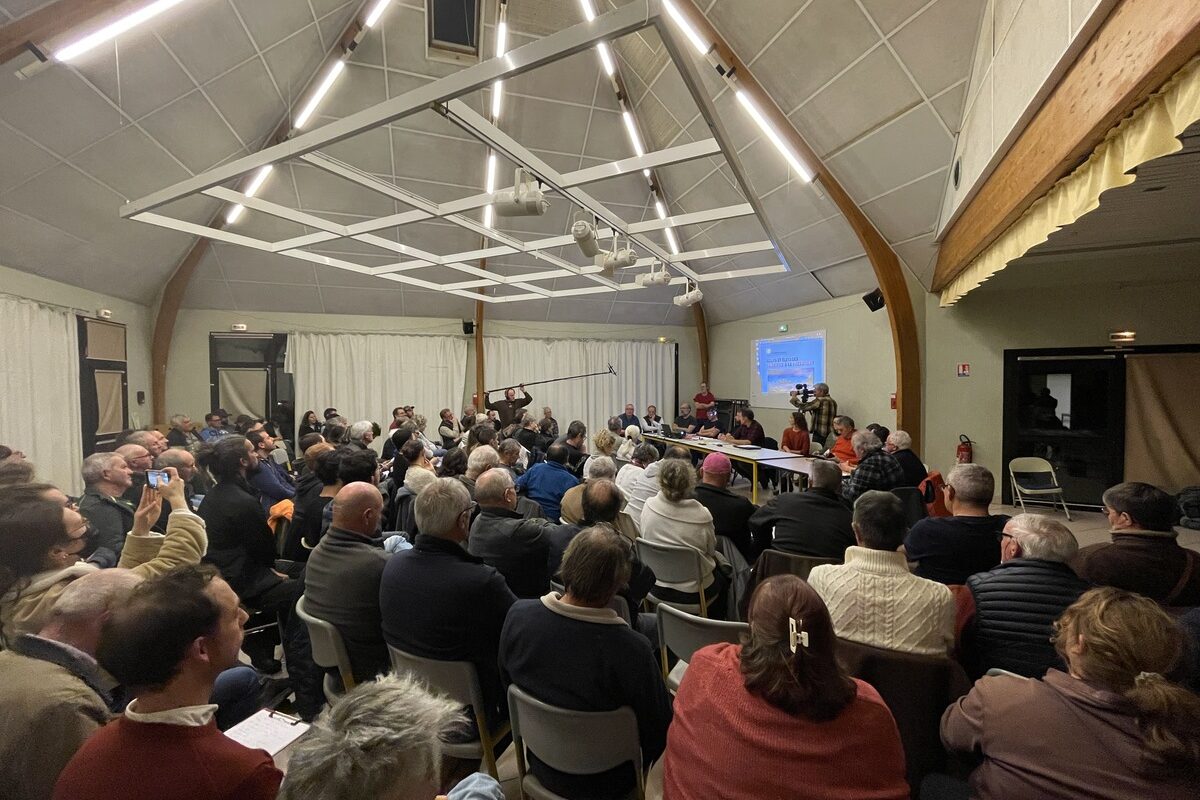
674 517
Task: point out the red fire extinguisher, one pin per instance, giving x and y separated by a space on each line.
966 449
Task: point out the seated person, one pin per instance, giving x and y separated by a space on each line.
951 549
745 429
510 452
304 531
633 438
547 481
899 444
1017 602
574 441
166 645
812 523
651 421
730 512
646 485
873 598
355 465
643 455
843 446
711 427
630 417
391 729
1111 727
106 478
518 547
876 470
573 651
51 686
778 716
675 517
1144 555
341 581
531 437
266 476
686 419
604 445
481 460
438 601
796 439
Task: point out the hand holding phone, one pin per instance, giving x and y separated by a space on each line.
157 478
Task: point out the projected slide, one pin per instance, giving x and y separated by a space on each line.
783 362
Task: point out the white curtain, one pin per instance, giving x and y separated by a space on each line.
366 375
39 389
645 375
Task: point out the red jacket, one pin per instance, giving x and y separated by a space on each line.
726 742
128 760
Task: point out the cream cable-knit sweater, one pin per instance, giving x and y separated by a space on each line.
873 599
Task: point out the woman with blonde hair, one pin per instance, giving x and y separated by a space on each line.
1112 726
777 716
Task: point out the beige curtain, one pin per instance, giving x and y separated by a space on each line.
243 391
110 401
1162 446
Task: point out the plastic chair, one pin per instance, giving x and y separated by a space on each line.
683 634
917 689
914 503
674 564
328 650
458 681
1037 479
574 742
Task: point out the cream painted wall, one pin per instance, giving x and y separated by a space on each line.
138 321
860 365
187 373
986 323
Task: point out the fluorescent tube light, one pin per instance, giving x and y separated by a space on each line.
115 29
322 89
375 13
251 189
606 59
589 13
672 242
501 38
491 173
631 129
660 209
487 217
702 47
805 174
497 99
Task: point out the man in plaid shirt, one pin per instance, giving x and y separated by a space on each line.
877 468
823 408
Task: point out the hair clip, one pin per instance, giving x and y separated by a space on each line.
796 638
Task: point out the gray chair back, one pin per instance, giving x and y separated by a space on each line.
683 634
328 650
574 742
673 564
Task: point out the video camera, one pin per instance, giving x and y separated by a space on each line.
804 392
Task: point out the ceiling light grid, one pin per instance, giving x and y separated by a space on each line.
443 95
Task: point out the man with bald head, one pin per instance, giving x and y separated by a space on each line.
154 442
503 538
341 584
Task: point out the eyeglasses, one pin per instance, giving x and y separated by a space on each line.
469 509
1000 537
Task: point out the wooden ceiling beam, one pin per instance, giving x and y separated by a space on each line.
1140 45
47 23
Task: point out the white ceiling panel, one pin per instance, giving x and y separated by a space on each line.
209 294
253 296
909 211
192 130
822 244
920 255
293 62
138 76
48 108
207 38
238 264
907 148
130 163
889 14
246 98
378 302
852 277
949 106
944 22
22 158
269 23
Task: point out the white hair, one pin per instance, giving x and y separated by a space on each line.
601 467
439 505
481 460
95 465
417 478
360 429
864 442
900 440
382 739
1044 538
972 483
95 593
633 432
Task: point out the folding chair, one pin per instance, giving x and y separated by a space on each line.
328 650
458 681
574 742
914 503
683 634
674 564
1034 477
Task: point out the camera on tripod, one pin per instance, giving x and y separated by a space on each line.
804 392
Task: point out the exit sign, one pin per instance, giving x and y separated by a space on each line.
963 370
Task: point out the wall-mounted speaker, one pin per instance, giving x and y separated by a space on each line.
874 300
468 326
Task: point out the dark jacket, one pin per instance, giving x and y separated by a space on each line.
341 586
439 601
812 523
641 577
532 440
914 470
516 546
585 660
731 517
546 483
304 531
110 517
1015 607
240 544
951 549
272 483
1147 562
507 409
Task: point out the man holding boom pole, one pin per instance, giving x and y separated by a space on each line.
506 409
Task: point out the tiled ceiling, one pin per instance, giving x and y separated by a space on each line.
874 85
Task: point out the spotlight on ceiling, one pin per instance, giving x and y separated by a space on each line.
655 277
689 298
525 199
617 258
584 233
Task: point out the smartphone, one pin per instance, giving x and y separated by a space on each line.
157 477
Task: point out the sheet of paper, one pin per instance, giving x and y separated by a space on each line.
266 731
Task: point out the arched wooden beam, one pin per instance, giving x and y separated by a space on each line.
888 271
701 339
